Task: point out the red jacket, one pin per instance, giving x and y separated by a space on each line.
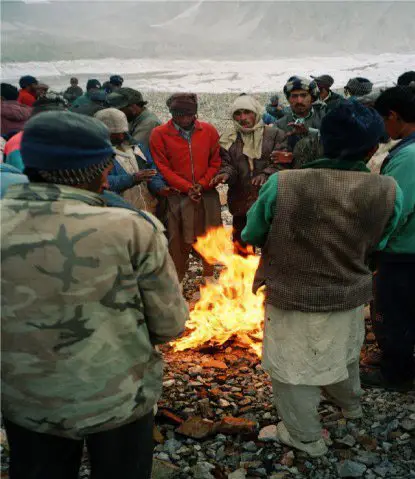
26 98
183 163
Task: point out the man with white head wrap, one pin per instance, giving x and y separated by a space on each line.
246 160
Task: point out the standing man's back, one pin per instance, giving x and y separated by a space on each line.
87 291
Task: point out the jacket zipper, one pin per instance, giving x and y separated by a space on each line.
189 143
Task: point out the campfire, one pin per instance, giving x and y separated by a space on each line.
227 309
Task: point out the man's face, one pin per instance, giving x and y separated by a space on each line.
393 125
324 93
74 82
184 121
132 111
117 138
246 118
32 88
300 102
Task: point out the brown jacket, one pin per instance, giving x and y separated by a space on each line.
242 194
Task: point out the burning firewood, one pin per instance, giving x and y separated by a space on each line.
226 308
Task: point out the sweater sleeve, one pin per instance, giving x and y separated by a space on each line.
393 220
156 183
158 153
227 166
214 161
119 180
261 214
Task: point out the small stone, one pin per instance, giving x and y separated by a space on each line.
213 363
367 458
197 428
163 469
202 470
369 443
169 383
238 474
268 434
172 445
157 435
408 424
223 403
348 441
174 418
350 469
163 456
236 425
288 459
250 446
195 371
261 472
267 416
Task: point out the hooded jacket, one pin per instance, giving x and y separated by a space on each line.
13 116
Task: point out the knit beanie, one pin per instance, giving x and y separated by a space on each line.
66 147
247 102
350 129
324 81
115 120
182 104
298 83
93 83
359 86
27 80
9 92
50 101
116 80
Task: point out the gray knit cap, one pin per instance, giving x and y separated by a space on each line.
358 86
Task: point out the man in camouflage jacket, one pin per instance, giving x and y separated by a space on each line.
88 290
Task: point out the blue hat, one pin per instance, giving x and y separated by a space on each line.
62 140
350 129
27 81
93 83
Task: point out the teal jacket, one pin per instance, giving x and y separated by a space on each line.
400 164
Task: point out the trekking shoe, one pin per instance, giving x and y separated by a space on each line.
355 413
373 378
313 449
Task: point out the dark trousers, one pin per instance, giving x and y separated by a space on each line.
394 326
125 452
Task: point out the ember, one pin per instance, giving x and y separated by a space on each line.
227 309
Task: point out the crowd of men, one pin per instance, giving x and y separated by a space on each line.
101 206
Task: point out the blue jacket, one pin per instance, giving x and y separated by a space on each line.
9 175
119 180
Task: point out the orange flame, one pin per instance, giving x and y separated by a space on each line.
227 307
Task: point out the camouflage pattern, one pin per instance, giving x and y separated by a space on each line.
87 290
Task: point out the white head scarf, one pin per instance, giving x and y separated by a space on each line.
251 137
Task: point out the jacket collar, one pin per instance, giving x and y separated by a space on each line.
52 192
397 148
173 130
